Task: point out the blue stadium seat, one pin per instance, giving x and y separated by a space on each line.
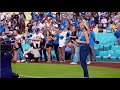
101 47
106 47
118 59
115 48
115 56
96 46
96 51
101 55
107 57
25 46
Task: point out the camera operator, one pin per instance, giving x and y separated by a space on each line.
6 59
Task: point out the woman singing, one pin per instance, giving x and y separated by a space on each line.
83 41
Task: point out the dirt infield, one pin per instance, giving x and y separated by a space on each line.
101 64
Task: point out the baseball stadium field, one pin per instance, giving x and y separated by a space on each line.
65 70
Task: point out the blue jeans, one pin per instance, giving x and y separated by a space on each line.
20 54
76 56
84 51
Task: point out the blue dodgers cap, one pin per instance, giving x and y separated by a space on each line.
61 28
13 38
61 37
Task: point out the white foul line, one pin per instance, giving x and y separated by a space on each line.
32 76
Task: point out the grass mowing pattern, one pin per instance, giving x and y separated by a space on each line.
62 71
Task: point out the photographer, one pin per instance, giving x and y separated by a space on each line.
6 59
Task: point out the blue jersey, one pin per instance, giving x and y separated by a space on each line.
91 38
6 69
57 39
117 34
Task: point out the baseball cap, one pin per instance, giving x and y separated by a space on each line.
61 37
37 29
61 28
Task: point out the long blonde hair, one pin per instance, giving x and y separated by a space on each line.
57 31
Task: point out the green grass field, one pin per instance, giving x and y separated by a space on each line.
39 70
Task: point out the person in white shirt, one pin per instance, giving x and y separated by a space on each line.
54 24
36 38
33 53
2 16
62 40
18 39
46 24
104 22
40 25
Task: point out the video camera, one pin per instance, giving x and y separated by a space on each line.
7 46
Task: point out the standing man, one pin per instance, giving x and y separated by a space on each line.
92 40
117 34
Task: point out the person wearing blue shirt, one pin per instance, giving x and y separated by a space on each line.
56 43
117 34
33 15
61 26
1 29
84 49
108 29
6 59
92 40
